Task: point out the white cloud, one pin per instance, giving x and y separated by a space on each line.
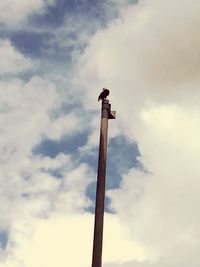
23 106
165 213
15 11
13 62
145 54
63 125
28 185
149 60
66 240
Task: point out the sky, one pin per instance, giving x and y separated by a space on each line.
55 58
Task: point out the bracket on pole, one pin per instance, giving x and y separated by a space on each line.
112 115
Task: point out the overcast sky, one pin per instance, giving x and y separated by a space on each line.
55 57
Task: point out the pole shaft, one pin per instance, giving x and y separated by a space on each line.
100 192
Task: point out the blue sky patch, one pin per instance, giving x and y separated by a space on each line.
122 156
30 43
55 15
3 239
66 145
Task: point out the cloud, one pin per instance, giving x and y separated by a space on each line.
30 113
155 61
13 62
28 184
72 30
61 237
149 60
165 199
12 11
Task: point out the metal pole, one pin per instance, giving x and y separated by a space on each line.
100 192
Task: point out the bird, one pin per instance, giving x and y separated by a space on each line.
104 94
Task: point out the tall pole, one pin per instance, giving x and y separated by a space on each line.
101 177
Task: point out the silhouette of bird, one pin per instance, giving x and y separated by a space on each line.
103 94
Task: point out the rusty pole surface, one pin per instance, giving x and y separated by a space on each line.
100 192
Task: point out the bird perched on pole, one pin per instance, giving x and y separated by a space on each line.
103 94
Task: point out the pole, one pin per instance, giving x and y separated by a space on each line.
101 177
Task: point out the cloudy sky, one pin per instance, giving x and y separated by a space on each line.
55 57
